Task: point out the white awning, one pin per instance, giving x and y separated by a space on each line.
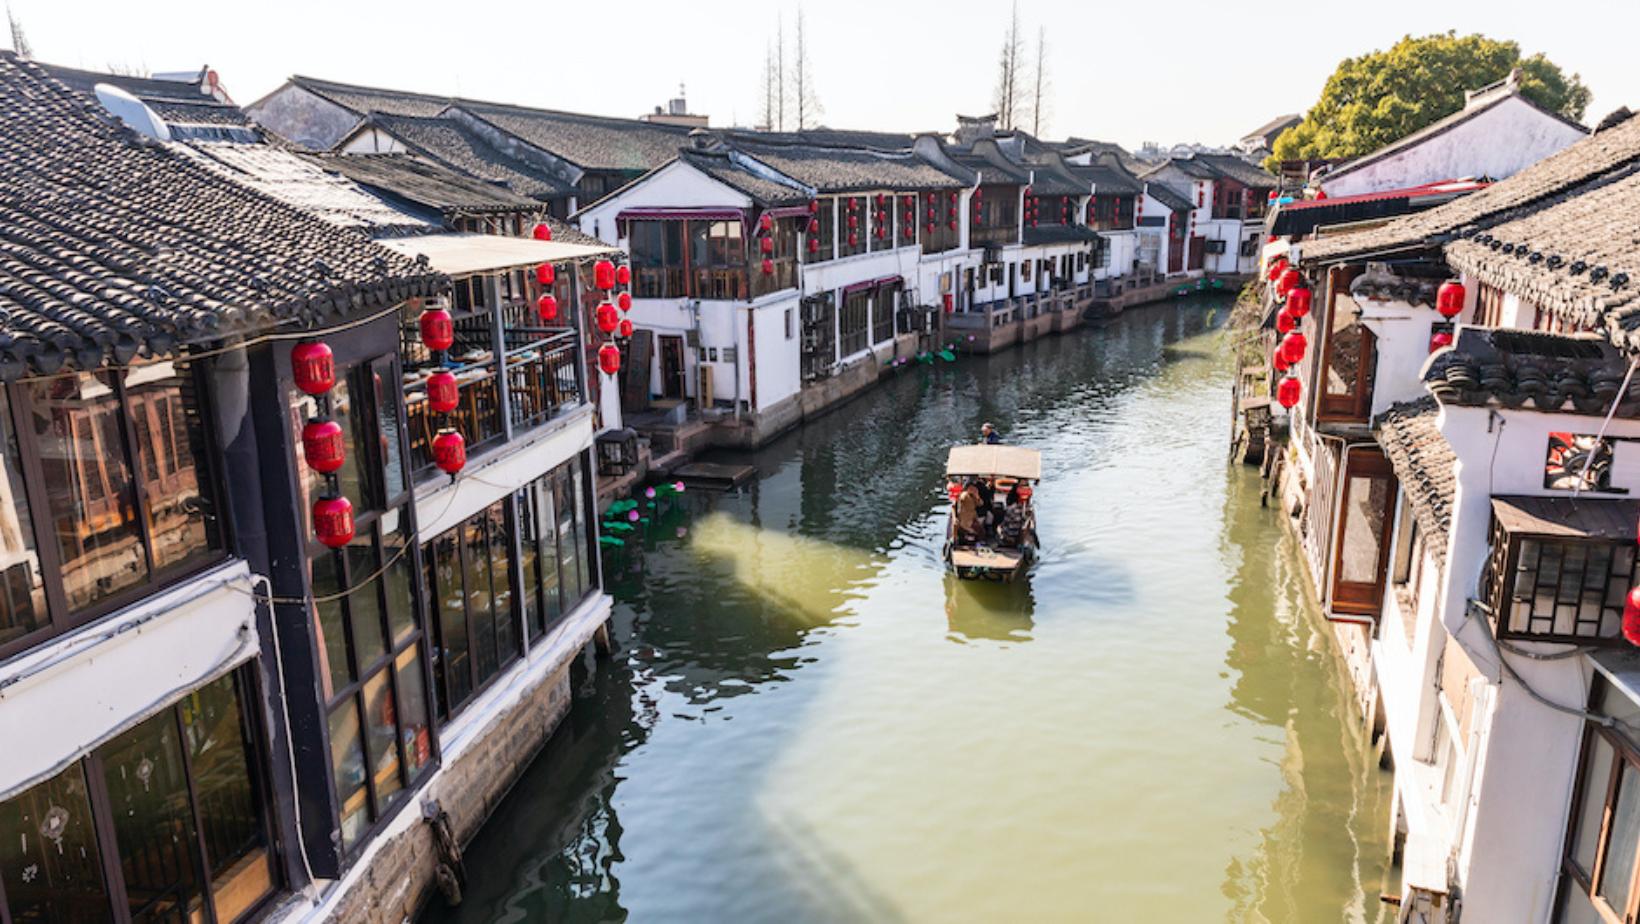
994 461
466 254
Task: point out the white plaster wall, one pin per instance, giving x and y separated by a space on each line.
779 374
62 699
1403 333
373 141
676 185
1496 143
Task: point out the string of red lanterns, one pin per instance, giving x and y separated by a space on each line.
313 366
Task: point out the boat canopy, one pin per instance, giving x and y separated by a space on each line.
994 462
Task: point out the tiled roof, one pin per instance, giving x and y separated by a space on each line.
826 138
451 143
1075 146
1613 150
1578 258
426 183
1578 373
1196 170
836 170
1047 180
1239 170
1425 466
588 142
765 192
365 100
1167 196
1109 182
171 100
1275 124
1056 234
111 245
300 183
992 168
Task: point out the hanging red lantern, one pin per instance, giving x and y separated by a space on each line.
542 232
322 444
1285 323
766 222
333 520
623 275
449 451
851 204
624 301
814 245
1289 392
953 224
910 233
768 267
547 306
953 196
814 206
437 331
1276 268
603 275
953 490
443 394
766 244
625 330
1289 279
1293 347
313 366
1280 362
1631 617
814 226
608 318
1298 301
910 217
853 222
1440 341
545 274
930 227
609 359
1449 299
853 239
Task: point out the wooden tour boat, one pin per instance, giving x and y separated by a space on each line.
991 534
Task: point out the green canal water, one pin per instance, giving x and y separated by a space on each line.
807 720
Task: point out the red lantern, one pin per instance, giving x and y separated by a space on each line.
449 451
881 200
1298 302
814 245
624 301
333 520
545 274
1449 299
930 227
910 216
853 239
1289 279
765 223
766 245
1440 341
953 490
443 394
1289 391
547 306
437 332
609 359
542 232
1284 323
608 317
953 224
322 444
768 267
314 367
814 226
953 196
1293 347
853 222
1280 362
625 330
1276 268
1631 617
603 275
623 275
814 206
910 232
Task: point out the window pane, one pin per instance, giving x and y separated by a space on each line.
1363 530
418 740
501 570
90 491
480 598
230 809
578 485
452 619
1595 778
153 823
1344 354
401 599
529 565
347 760
381 714
568 546
1618 871
327 622
545 516
167 416
343 411
22 592
49 865
387 415
364 602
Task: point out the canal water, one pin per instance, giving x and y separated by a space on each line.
807 720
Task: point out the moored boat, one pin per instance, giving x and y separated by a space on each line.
991 534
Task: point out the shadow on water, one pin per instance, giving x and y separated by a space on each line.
994 610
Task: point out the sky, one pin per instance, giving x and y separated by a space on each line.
1207 71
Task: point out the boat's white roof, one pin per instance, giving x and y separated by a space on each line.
995 461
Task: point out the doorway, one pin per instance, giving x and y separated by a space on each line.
672 371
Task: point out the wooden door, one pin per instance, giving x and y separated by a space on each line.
1198 251
1361 557
672 371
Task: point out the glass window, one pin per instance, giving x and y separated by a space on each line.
153 824
397 541
363 601
546 535
412 709
454 669
881 213
569 543
500 555
480 598
381 715
347 763
1363 530
230 816
827 216
853 322
387 418
1596 775
334 670
168 417
22 588
49 866
1617 873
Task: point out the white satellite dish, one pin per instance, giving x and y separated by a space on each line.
132 111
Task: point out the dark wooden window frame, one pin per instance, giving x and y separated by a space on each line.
1356 598
1624 753
1499 577
1356 406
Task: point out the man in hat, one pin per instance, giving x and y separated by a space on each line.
989 435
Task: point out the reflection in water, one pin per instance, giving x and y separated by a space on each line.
789 734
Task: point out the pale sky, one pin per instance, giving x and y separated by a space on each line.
1188 70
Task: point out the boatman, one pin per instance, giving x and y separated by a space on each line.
989 434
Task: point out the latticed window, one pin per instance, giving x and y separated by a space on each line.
1558 571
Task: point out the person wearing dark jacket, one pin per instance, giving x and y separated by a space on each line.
988 434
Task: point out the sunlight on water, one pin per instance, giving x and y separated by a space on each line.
810 720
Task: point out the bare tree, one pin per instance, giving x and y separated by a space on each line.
769 111
1009 99
780 73
1040 109
806 108
19 41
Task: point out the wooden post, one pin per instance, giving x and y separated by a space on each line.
601 642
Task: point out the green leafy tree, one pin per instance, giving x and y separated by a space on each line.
1378 98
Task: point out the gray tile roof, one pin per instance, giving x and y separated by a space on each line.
298 182
1189 167
1131 164
1578 373
451 143
1607 152
720 166
364 100
589 142
1109 182
1167 196
422 182
112 246
1241 171
1425 466
992 168
174 101
834 170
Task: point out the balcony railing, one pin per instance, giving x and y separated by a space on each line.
541 381
477 416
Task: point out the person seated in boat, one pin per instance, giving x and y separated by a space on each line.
989 435
970 523
1012 531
